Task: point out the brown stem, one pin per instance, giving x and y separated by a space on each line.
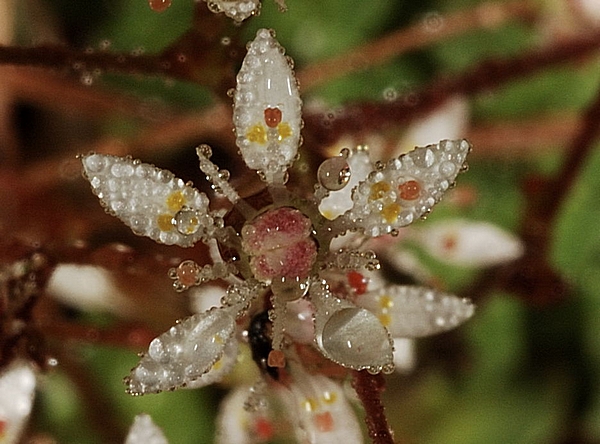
369 388
59 57
419 35
484 77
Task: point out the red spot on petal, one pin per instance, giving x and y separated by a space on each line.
449 243
272 117
324 422
159 5
264 429
358 282
410 190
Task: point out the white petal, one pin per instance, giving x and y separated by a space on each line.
406 188
238 10
449 121
404 354
338 202
144 431
17 390
150 201
266 112
184 353
320 411
589 10
410 311
350 336
220 368
87 287
469 244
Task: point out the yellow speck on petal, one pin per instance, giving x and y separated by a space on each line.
379 190
390 212
330 215
309 404
257 134
164 222
284 130
217 339
175 201
385 319
386 302
329 397
217 365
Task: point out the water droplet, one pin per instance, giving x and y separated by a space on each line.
187 221
225 41
289 289
390 94
334 173
187 273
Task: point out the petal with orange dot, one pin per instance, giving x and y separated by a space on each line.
406 188
267 108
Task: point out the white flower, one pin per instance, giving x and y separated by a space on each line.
144 431
17 390
279 259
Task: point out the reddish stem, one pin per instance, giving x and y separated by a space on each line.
369 389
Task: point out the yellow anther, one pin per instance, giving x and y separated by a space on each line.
164 222
217 339
390 212
385 319
329 397
309 404
386 302
175 201
379 190
217 365
284 130
257 134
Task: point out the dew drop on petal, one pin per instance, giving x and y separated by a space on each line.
355 338
334 173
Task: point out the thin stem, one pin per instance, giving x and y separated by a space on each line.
484 77
437 29
369 387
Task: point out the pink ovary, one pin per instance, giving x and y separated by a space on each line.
280 244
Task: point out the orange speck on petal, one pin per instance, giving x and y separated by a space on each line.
358 282
276 358
272 117
264 429
324 422
410 190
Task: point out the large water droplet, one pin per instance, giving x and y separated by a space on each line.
355 338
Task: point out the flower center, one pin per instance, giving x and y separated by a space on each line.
280 244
